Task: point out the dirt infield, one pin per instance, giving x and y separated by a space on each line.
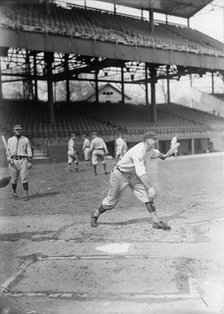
52 261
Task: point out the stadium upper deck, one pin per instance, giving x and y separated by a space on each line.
106 27
183 8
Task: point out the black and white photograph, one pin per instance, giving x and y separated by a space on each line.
111 156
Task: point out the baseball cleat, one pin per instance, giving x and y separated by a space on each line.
161 225
94 221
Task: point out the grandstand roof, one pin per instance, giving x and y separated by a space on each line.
181 8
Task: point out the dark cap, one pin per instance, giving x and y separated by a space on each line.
150 134
18 126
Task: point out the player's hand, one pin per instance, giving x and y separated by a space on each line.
163 157
29 165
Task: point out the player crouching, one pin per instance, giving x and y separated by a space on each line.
131 171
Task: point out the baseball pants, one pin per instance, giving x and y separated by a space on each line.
87 153
21 169
98 154
72 156
118 183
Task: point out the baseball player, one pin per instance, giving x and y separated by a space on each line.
172 143
72 154
86 149
98 149
121 147
20 160
131 171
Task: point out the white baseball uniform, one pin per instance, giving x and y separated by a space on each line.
121 148
172 143
72 154
98 148
86 149
20 150
128 172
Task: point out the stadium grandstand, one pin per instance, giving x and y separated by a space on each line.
43 41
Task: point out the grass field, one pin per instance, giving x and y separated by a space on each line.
139 268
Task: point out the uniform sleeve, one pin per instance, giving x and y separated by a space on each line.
156 154
8 145
84 145
139 165
29 150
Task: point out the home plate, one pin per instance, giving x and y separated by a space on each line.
114 248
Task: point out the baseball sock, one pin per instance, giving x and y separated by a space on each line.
94 168
105 168
152 210
76 165
14 186
26 189
150 207
99 211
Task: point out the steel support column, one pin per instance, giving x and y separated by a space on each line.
122 85
49 58
146 86
213 85
67 79
96 86
168 84
35 76
153 93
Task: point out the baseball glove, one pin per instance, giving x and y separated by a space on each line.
161 225
4 181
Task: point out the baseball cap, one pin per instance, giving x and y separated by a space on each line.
18 127
150 134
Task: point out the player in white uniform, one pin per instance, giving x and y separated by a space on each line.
86 149
131 171
20 160
121 147
72 154
98 148
172 143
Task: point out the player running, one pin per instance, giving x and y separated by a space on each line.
131 171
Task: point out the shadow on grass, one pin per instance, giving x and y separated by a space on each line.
128 222
41 195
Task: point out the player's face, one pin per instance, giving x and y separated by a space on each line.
150 143
18 131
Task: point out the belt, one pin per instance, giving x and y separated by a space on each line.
18 157
99 149
119 169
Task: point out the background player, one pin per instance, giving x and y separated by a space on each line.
120 147
131 171
172 143
72 154
86 149
98 148
20 160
